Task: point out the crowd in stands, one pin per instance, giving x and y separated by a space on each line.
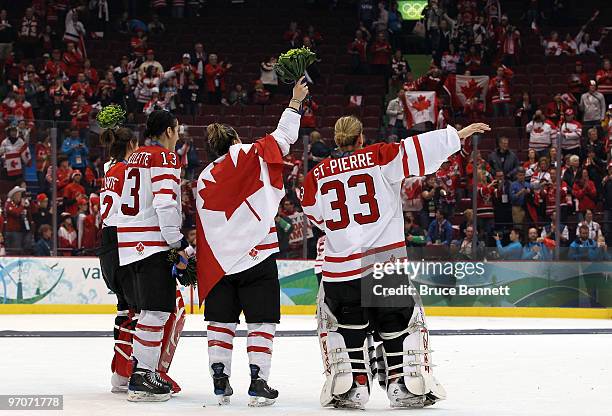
47 78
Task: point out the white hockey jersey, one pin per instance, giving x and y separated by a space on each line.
237 200
149 218
571 132
110 194
356 200
541 134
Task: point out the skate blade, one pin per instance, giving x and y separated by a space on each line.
416 402
139 396
258 401
119 389
345 404
223 400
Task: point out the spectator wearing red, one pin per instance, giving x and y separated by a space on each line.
549 191
309 118
59 89
555 109
570 131
584 193
509 41
260 94
64 173
149 81
292 35
604 80
183 70
138 43
215 78
381 55
88 223
500 93
42 152
55 67
315 37
578 81
568 46
67 239
17 231
106 88
73 192
80 113
19 109
90 73
358 51
473 60
73 60
531 164
484 204
81 87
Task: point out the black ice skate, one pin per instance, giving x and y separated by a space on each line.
145 386
261 394
221 384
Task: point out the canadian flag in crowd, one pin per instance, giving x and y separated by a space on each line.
419 107
14 161
237 199
463 87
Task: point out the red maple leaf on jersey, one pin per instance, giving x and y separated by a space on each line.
471 89
538 130
233 183
421 103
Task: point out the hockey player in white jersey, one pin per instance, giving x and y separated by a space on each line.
354 197
148 225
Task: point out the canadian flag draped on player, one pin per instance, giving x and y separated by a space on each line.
234 204
465 87
419 107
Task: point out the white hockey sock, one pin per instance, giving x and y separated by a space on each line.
148 338
220 344
259 346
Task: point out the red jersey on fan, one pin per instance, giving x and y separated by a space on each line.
604 81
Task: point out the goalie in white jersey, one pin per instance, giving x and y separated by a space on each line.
354 197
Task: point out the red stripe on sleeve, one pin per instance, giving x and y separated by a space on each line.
405 160
166 192
313 219
220 329
419 152
266 246
136 229
165 176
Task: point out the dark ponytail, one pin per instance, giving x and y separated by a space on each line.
118 141
157 123
220 138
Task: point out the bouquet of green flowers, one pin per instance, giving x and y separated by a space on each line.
110 117
292 64
187 277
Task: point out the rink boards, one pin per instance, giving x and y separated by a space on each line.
511 289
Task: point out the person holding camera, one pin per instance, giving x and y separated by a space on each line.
541 132
17 231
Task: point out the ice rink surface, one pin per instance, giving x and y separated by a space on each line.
486 375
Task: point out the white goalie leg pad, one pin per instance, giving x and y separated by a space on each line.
417 365
336 361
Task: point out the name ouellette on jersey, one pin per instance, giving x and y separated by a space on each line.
355 200
149 217
237 200
110 195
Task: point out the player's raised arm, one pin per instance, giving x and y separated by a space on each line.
286 132
423 154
